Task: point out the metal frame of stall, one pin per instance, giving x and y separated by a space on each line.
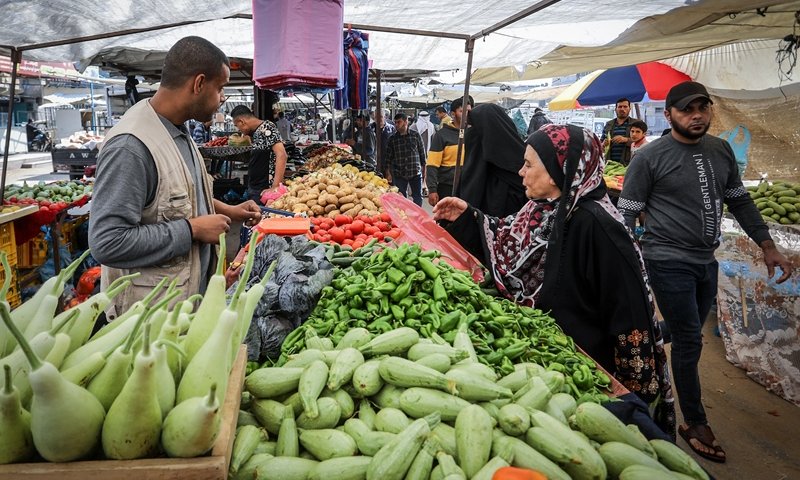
469 40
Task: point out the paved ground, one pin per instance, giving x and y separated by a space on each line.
757 428
31 167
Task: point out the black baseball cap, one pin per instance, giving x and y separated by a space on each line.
685 93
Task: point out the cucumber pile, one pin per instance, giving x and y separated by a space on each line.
777 202
614 168
398 406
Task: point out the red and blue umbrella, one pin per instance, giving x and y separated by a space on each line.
644 82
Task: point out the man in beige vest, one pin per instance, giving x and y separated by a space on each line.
152 210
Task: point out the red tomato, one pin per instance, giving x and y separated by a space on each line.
348 242
337 234
394 233
342 220
44 209
357 226
358 244
327 223
383 226
370 230
362 237
45 203
379 235
385 217
348 234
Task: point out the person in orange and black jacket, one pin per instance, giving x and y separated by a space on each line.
441 165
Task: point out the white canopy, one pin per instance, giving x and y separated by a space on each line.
560 37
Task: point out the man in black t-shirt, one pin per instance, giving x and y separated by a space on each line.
268 161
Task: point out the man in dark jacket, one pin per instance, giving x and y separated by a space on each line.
617 134
538 120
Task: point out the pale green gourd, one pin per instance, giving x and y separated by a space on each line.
136 309
165 381
16 442
209 311
42 320
82 373
133 425
192 427
108 383
89 310
65 419
25 313
208 366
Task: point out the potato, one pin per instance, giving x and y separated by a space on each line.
347 206
317 210
330 208
343 192
352 212
332 189
311 203
360 184
334 213
367 203
348 199
333 181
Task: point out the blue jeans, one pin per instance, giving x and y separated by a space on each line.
416 187
685 293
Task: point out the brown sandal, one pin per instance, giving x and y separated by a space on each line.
704 435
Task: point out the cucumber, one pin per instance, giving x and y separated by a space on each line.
552 437
517 379
437 361
422 465
475 388
367 414
405 373
344 400
329 415
776 217
791 200
786 193
304 358
492 409
789 207
778 209
245 443
514 420
794 216
477 369
473 439
394 459
423 349
529 458
312 382
389 396
269 414
600 425
287 445
273 382
328 443
343 366
367 379
536 397
446 435
288 468
344 468
419 402
767 211
672 457
641 472
354 338
391 420
618 456
395 342
564 402
371 442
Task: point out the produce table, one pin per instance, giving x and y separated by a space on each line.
227 154
212 467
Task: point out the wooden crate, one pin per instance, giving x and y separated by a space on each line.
212 467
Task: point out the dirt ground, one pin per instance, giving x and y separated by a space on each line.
758 429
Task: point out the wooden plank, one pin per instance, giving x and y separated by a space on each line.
22 212
213 467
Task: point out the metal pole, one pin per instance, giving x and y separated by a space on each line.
378 123
91 93
333 119
464 114
16 58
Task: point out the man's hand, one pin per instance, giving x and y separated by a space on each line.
449 208
207 228
433 198
350 141
773 258
620 139
247 212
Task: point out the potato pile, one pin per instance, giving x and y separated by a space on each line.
335 190
326 156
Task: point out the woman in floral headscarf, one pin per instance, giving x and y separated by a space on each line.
568 251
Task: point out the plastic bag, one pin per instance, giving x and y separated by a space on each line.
417 226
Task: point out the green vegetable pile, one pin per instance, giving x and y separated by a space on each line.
408 287
396 406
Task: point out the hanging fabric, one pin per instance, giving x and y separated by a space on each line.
354 91
297 43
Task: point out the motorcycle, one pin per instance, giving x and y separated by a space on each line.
41 142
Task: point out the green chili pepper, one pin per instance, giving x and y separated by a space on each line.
356 302
439 293
357 314
506 366
384 302
430 254
601 379
386 288
459 287
428 267
496 357
451 321
344 315
398 313
450 336
402 291
395 276
413 323
557 367
583 377
502 342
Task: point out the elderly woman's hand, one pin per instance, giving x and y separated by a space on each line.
449 208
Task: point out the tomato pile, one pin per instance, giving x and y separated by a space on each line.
217 142
355 232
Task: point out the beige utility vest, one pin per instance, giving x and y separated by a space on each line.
175 199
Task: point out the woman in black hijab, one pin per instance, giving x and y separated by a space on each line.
489 180
567 251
